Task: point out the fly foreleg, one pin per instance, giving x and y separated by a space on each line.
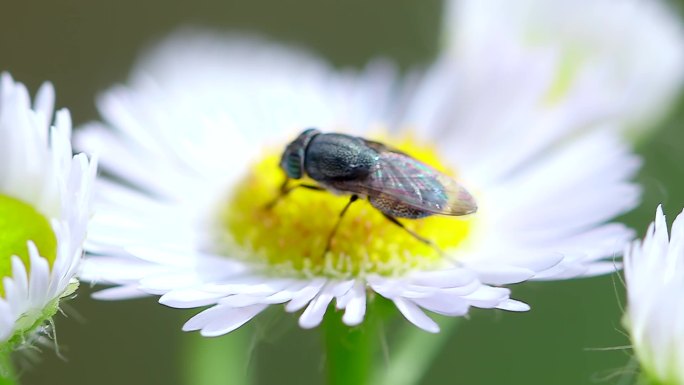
285 189
352 199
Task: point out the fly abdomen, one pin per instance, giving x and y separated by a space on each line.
395 208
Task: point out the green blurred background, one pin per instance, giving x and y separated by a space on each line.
86 46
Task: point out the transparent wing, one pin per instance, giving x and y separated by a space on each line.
416 184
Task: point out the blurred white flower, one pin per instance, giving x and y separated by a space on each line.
654 273
197 133
621 59
44 210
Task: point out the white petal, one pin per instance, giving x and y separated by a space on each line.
501 274
443 278
231 320
355 308
188 298
45 102
513 305
444 304
487 296
119 293
220 320
40 271
313 315
416 316
305 295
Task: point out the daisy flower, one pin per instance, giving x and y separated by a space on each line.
626 56
654 274
194 140
44 210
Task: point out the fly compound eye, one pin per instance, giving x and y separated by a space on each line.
291 162
294 165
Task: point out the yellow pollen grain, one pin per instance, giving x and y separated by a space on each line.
292 235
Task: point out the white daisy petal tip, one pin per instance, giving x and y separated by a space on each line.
514 306
415 315
654 275
118 293
220 320
197 233
43 184
354 305
353 318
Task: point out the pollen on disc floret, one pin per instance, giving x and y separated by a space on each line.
291 236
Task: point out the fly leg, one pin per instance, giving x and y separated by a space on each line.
352 199
285 189
413 233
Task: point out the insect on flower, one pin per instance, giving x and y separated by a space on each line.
395 183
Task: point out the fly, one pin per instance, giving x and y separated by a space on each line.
396 184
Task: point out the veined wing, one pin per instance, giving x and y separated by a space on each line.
415 184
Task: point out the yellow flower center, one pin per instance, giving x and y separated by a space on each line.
291 236
20 223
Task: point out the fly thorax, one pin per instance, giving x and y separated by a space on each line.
338 157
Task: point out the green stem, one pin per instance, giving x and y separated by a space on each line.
217 361
7 376
351 350
413 354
